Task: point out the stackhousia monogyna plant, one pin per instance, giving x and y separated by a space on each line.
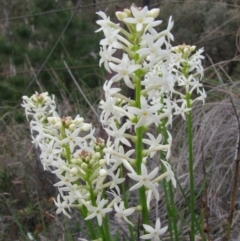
92 171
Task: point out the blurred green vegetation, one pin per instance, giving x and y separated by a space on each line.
29 40
213 25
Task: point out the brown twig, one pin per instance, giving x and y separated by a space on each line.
235 180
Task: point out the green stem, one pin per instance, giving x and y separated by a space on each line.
100 228
167 205
164 183
190 167
173 210
195 219
66 147
126 201
68 154
139 147
89 223
170 188
106 228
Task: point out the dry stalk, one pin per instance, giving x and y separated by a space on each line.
235 180
205 227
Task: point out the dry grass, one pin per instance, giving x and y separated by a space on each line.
216 137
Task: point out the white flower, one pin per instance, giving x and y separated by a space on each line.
202 96
153 50
118 134
195 62
109 110
104 22
167 31
106 55
158 147
98 211
116 180
36 140
167 111
156 85
66 180
169 172
145 180
120 157
121 212
152 142
123 70
196 86
62 206
151 27
72 139
147 113
187 82
181 110
111 38
139 18
154 233
50 151
107 150
108 90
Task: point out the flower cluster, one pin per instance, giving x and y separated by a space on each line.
68 149
156 72
164 80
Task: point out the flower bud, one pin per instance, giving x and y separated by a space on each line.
153 12
86 127
74 161
92 162
84 166
51 120
25 97
58 125
72 127
44 95
34 98
97 148
121 15
184 49
64 167
192 48
102 172
74 171
78 120
139 208
102 162
87 158
79 161
127 12
68 120
97 155
144 160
